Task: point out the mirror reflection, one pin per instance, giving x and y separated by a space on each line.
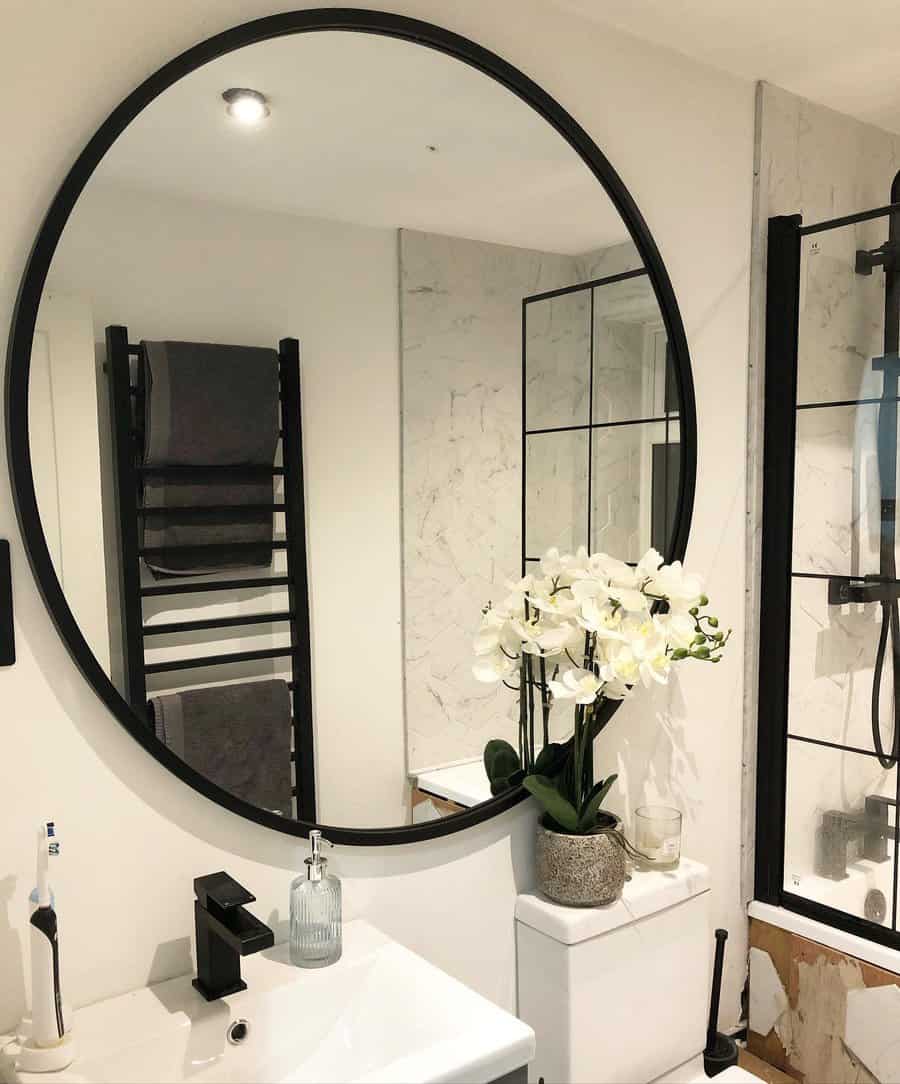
316 366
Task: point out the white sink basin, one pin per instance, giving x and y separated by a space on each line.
381 1013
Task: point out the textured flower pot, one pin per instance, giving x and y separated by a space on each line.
581 871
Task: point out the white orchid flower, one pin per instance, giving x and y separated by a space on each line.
502 638
520 587
613 571
677 628
567 565
582 686
616 690
560 603
554 640
532 635
683 590
649 564
630 599
601 618
552 562
621 666
643 633
493 668
589 587
655 667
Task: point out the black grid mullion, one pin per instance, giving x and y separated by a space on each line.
601 425
839 746
847 402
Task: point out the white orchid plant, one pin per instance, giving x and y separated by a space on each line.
587 629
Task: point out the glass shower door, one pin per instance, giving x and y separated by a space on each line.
840 698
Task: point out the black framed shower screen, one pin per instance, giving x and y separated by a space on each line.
783 577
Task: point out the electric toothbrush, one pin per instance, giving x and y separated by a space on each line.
43 1042
47 1022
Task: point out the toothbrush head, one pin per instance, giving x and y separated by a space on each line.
52 842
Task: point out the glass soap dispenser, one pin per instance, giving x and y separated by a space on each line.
315 911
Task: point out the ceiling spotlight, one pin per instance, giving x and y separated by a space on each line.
246 106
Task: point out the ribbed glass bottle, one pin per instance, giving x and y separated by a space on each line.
315 920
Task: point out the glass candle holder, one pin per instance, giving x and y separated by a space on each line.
657 836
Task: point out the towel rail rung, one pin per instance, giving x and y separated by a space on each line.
210 548
214 585
217 660
217 623
233 473
201 510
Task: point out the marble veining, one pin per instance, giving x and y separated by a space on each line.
461 312
461 368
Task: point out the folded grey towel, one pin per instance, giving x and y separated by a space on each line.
226 526
208 405
237 736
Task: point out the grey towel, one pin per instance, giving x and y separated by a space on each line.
235 524
208 405
237 736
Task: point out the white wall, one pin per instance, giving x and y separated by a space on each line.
134 837
175 268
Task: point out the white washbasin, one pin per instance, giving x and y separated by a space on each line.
381 1013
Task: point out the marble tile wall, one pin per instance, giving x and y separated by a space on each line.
821 164
461 439
461 311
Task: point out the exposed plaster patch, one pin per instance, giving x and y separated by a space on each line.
768 1000
872 1030
818 1020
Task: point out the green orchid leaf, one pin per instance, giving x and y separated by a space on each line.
551 759
500 760
559 809
592 804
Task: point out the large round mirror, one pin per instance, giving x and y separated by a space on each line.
326 338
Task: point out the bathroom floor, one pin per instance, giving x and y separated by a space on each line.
763 1070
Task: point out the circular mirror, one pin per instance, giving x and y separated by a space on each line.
326 337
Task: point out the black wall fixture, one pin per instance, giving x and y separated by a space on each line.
32 285
7 633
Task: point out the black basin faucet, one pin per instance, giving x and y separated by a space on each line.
225 931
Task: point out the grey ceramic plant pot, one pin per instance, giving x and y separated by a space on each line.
581 871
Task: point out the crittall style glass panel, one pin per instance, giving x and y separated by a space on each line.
601 418
844 638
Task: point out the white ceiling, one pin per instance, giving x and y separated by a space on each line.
352 118
841 53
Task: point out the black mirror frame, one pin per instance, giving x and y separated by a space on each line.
32 286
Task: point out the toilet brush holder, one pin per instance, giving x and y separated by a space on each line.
721 1050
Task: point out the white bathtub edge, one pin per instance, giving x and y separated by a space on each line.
849 943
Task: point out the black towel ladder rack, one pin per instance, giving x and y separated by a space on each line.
127 438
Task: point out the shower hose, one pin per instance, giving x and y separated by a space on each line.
887 472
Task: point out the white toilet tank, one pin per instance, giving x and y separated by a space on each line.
617 993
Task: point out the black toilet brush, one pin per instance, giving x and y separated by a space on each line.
721 1050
